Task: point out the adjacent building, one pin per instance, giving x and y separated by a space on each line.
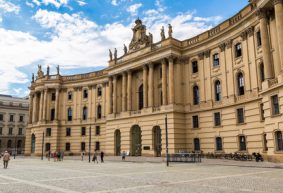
13 123
222 91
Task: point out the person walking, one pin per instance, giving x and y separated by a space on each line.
94 158
82 156
123 155
102 156
6 159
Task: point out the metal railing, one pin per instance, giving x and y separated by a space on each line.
184 157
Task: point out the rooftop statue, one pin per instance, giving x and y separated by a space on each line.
110 55
140 39
32 77
162 34
125 49
48 71
115 54
170 30
58 70
40 73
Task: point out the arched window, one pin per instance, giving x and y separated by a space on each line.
70 114
99 111
195 95
84 113
217 89
279 140
261 71
241 84
9 144
219 144
140 97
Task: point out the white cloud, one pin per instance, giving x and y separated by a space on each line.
56 3
77 42
133 9
8 7
81 3
118 2
30 4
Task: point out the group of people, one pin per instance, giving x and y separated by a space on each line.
57 155
95 156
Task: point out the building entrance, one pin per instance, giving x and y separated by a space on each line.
157 143
117 141
136 141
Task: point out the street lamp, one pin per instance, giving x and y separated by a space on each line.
166 130
42 145
89 144
15 149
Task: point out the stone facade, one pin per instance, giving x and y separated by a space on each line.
222 91
13 123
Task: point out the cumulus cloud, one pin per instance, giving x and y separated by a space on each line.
56 3
9 7
133 9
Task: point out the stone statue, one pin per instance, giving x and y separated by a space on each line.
162 34
125 49
32 77
140 39
48 70
40 73
110 55
58 69
115 54
150 37
170 30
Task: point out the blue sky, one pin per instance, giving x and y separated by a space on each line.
76 34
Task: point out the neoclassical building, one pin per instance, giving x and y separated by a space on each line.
222 91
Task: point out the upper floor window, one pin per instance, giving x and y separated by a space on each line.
99 91
1 117
261 71
242 142
85 93
215 60
84 113
82 146
97 130
21 118
140 97
160 72
217 119
238 50
279 140
83 131
52 116
48 132
241 84
70 95
53 96
217 88
20 131
195 95
1 130
9 143
68 147
265 148
70 114
195 122
240 115
275 105
99 112
97 146
219 144
262 118
11 118
258 38
195 66
68 132
10 131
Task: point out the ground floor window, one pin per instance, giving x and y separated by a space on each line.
97 146
279 140
219 144
68 147
47 147
196 144
83 146
242 142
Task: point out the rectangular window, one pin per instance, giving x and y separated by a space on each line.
275 105
70 96
195 66
242 141
52 116
195 122
85 94
47 147
1 117
196 144
10 131
238 50
48 132
217 119
53 96
99 91
82 146
1 130
68 147
20 131
83 131
262 118
240 115
68 132
11 118
97 146
21 119
219 144
215 60
97 130
160 72
258 37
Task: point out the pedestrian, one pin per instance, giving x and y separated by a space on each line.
82 156
94 158
102 156
62 155
6 159
48 155
123 155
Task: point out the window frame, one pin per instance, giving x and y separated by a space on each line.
275 107
217 123
195 121
242 144
217 144
240 121
238 50
216 60
279 144
194 66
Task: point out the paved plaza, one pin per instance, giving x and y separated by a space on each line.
31 175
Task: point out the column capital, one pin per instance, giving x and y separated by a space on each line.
207 53
150 65
228 43
201 56
163 61
222 46
171 58
244 35
144 67
250 31
261 13
275 2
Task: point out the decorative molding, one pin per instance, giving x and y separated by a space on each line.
275 2
222 47
201 55
207 53
228 43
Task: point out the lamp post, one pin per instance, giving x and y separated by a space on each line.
42 145
89 144
15 149
166 130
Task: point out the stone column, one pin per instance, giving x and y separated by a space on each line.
145 87
150 85
164 82
110 102
265 44
40 106
44 105
57 104
171 80
124 92
129 91
34 108
30 108
278 8
114 94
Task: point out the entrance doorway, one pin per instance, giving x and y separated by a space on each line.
117 142
136 141
32 143
157 144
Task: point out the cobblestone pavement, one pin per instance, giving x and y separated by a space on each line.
31 175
